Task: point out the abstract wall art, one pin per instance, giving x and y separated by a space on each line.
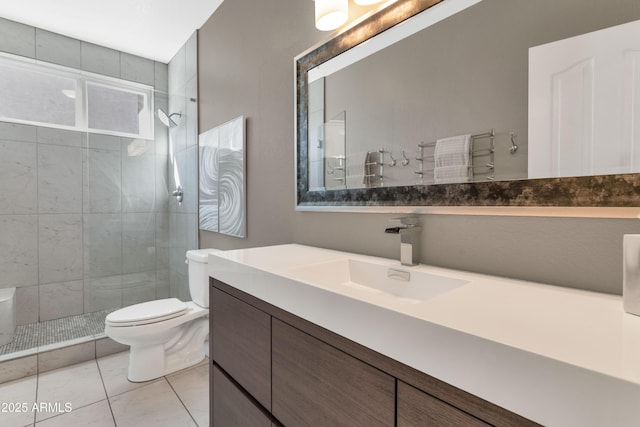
222 185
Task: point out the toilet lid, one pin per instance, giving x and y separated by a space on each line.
147 312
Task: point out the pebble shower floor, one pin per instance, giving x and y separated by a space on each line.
34 335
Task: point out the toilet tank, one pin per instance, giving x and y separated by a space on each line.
198 260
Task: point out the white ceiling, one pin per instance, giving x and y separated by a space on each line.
154 29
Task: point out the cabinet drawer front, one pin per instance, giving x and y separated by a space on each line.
416 408
230 407
241 342
315 384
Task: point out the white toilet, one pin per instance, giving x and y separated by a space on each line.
166 335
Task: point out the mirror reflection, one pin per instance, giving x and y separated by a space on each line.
502 90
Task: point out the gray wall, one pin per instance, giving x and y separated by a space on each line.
583 253
245 59
82 223
246 67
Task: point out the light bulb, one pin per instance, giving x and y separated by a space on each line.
330 14
366 2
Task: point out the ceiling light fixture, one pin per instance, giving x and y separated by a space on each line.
330 14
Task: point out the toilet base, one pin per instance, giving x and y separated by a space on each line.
155 361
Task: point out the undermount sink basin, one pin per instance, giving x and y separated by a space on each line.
405 284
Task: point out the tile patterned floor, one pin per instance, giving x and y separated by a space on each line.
97 393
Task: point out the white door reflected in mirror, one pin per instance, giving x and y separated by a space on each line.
584 104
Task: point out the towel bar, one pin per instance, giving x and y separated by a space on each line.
489 134
473 151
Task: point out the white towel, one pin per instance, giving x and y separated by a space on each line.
452 159
451 174
453 151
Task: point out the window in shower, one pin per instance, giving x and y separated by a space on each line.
117 109
32 96
37 93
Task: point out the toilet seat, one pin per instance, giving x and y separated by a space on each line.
147 312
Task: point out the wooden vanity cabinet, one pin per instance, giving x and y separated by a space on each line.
232 408
315 384
270 367
417 408
240 338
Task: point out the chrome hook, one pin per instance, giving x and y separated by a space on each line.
393 161
405 162
513 147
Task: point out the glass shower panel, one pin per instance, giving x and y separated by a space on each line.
183 165
125 226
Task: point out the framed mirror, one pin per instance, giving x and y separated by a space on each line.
510 82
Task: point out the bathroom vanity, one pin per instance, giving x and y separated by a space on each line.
308 336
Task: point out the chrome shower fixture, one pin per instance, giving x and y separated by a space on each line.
166 118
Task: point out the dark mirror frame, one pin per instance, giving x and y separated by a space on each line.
585 191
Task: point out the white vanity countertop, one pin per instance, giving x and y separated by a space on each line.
557 356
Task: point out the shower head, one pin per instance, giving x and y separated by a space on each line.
166 118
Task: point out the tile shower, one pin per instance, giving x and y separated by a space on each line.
87 224
90 232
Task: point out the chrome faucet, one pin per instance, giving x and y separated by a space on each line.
409 231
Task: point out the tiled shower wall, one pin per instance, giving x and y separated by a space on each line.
183 166
84 218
